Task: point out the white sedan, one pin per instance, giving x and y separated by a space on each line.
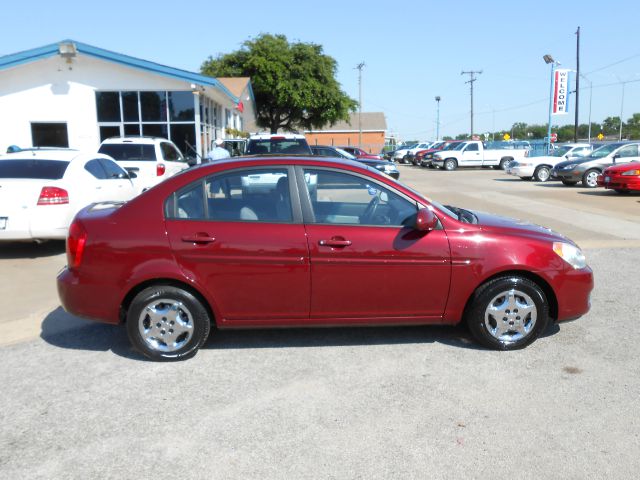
539 168
42 190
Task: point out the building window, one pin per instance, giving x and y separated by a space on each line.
154 106
108 106
49 135
109 131
181 107
130 107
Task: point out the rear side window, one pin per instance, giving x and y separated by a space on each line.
294 146
28 168
129 151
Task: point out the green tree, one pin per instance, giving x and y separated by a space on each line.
611 125
631 128
294 83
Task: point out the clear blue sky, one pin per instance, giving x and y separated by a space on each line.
413 50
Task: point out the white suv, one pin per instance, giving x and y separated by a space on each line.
151 159
278 143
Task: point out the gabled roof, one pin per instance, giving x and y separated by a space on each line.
371 122
28 56
235 85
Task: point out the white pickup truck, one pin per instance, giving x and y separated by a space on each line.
473 154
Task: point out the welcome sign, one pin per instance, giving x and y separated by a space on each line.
561 92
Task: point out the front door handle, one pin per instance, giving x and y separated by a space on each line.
198 238
334 243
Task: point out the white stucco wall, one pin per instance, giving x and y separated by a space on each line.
48 90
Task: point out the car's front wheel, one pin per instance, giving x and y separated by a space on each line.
507 313
450 165
167 323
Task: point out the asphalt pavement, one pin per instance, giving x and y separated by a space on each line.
406 402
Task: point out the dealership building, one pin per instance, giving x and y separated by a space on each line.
70 94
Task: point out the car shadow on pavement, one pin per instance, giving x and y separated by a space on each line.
32 249
64 330
608 193
61 329
508 180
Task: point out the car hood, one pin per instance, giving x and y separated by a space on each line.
623 167
496 224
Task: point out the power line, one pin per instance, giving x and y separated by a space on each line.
613 64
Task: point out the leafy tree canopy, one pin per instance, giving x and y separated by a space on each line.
294 83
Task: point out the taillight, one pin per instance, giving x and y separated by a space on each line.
53 196
76 241
160 169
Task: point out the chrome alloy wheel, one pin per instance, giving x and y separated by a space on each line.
165 325
510 316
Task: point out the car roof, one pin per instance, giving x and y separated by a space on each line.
44 154
269 136
284 159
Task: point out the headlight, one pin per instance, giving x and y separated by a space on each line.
390 168
631 173
570 254
569 167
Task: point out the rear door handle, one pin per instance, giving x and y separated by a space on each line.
198 238
334 243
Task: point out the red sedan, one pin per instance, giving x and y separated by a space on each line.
623 178
360 153
273 242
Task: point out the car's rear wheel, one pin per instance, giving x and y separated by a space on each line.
167 323
450 164
507 313
569 183
542 174
590 178
503 164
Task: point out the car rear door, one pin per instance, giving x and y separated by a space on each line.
367 260
239 234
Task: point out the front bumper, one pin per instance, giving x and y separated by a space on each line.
619 182
520 171
573 292
568 175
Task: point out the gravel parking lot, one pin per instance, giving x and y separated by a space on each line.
409 402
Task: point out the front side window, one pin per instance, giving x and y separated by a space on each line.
113 170
342 198
472 148
628 151
95 169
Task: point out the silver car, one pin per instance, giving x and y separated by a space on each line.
587 169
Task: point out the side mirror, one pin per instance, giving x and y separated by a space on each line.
426 220
191 161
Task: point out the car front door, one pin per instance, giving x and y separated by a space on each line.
240 235
471 156
367 260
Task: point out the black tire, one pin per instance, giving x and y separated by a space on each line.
525 178
569 183
590 178
156 301
481 318
542 173
503 164
450 164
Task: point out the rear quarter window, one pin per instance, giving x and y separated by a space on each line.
126 152
31 168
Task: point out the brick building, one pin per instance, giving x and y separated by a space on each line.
374 128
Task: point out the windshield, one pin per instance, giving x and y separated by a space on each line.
345 154
35 169
561 151
129 151
451 146
460 146
604 150
438 205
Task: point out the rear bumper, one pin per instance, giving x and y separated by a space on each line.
87 299
520 171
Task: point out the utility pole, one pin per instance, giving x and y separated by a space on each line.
360 66
472 79
575 130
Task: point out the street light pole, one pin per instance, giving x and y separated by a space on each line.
549 60
360 66
438 118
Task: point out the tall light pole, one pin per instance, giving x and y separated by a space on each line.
360 66
575 129
472 79
438 118
548 59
